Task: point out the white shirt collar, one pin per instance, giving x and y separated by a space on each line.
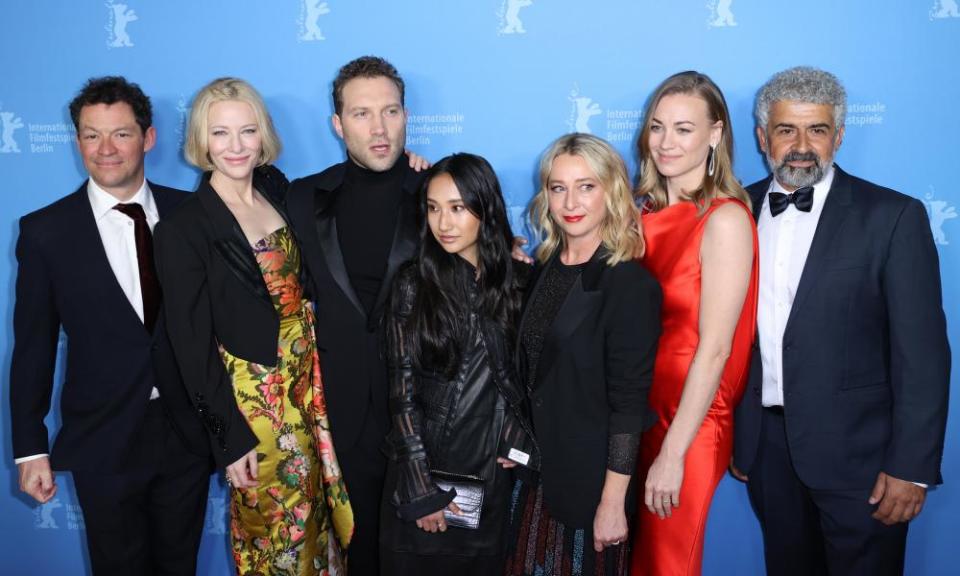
103 202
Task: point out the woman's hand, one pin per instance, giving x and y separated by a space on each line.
609 525
243 472
506 464
662 489
434 522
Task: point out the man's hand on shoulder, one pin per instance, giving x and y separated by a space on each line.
417 162
36 479
518 254
899 500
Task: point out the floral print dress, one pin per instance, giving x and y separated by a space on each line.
298 520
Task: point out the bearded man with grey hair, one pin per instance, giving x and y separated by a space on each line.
841 428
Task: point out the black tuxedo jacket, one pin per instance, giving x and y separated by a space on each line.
866 363
215 294
592 379
351 351
64 280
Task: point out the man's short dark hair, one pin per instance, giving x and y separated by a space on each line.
364 67
110 90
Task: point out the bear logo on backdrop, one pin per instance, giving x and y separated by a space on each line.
310 13
119 16
582 109
939 212
9 123
720 14
944 9
183 109
509 15
43 515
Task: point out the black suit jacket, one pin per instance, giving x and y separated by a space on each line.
351 351
592 379
65 280
866 363
215 294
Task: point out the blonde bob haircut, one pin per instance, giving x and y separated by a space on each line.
196 149
652 186
620 230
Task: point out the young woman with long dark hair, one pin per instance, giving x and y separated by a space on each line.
457 423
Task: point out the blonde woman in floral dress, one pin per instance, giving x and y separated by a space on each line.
243 336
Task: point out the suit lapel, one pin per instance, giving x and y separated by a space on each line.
231 243
403 247
324 201
758 192
835 211
582 301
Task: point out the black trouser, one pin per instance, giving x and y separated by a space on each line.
809 532
147 519
364 469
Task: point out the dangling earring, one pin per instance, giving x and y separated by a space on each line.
712 163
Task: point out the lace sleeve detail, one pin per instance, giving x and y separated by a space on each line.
622 453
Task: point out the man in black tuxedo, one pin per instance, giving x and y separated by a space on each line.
842 425
357 222
136 449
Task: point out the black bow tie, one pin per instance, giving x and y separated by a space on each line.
802 198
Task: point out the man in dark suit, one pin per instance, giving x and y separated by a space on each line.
842 425
136 449
357 222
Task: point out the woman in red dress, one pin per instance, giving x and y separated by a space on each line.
701 245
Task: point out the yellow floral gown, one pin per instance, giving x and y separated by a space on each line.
298 520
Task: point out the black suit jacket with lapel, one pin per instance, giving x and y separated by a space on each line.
351 351
215 294
592 380
64 280
866 362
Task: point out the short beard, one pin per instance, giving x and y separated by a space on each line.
798 177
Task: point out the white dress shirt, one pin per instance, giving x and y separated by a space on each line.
784 245
120 244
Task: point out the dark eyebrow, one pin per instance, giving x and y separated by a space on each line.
819 125
785 125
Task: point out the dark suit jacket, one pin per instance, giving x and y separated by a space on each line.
215 293
351 351
866 363
592 379
64 280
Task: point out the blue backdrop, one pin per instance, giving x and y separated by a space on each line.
501 78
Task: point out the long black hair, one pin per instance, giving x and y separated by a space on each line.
442 305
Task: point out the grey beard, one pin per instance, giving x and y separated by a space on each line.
797 177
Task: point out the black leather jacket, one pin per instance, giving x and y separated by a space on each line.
457 425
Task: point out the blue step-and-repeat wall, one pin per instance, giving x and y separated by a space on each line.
501 78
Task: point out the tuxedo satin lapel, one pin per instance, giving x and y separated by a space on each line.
835 212
578 305
88 249
330 245
231 243
403 248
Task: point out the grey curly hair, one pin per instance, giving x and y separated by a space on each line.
803 84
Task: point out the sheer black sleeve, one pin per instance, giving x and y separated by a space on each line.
416 495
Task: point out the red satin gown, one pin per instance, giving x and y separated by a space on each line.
674 545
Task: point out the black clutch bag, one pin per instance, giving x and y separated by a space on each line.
469 498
